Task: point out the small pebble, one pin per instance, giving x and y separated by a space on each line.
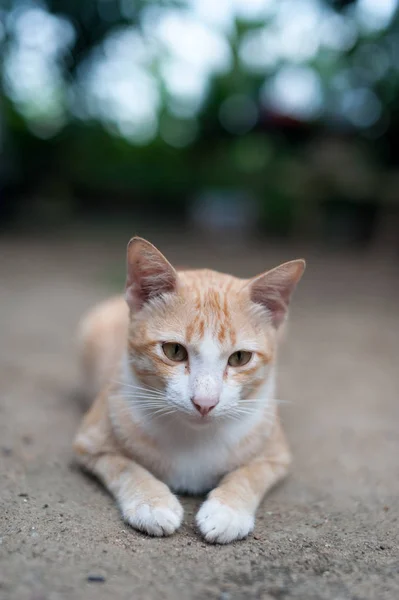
96 578
45 505
23 495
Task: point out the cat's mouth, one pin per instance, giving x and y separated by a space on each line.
198 421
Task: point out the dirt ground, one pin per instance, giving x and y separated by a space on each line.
330 532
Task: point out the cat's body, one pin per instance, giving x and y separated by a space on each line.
177 406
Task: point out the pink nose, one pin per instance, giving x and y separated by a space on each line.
204 405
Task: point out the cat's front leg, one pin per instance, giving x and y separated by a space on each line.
228 514
146 503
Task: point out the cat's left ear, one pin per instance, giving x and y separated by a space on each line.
274 288
149 274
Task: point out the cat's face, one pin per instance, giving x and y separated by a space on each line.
202 343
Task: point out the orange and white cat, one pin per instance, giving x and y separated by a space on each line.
183 370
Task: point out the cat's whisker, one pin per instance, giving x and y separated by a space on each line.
146 397
131 403
267 408
149 401
145 388
168 412
148 405
133 397
145 392
244 408
127 412
154 410
149 389
162 413
249 406
138 394
236 411
239 413
268 400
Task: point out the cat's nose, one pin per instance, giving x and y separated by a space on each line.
204 405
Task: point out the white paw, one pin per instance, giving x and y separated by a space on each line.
155 518
221 524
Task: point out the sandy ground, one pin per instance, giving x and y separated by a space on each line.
329 532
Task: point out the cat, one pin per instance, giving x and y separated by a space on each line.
183 371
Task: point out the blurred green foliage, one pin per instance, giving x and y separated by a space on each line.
61 159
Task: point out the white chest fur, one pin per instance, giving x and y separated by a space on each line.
197 468
193 460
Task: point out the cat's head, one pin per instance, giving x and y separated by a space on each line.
202 344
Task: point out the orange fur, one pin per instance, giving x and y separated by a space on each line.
138 457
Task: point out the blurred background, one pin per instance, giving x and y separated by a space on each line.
267 118
234 134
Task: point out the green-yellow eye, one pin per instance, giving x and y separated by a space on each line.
240 358
175 352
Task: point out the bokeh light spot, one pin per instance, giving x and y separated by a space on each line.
294 91
238 114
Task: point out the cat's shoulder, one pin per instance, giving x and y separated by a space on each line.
101 339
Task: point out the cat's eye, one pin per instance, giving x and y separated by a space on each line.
175 352
239 358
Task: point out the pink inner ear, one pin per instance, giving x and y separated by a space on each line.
272 300
153 279
149 275
273 290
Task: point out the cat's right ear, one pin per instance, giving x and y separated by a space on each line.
149 274
273 289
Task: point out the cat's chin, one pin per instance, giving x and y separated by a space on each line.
197 422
